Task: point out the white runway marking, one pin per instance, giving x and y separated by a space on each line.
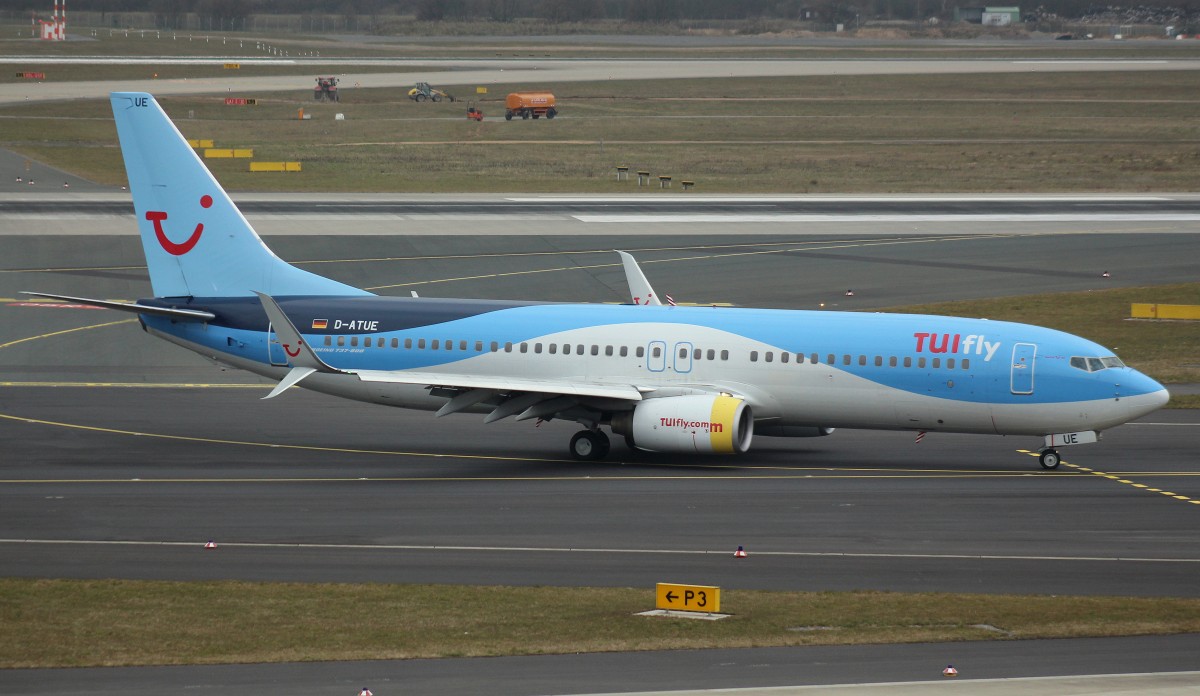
802 217
566 549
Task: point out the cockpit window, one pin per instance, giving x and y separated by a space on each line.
1096 364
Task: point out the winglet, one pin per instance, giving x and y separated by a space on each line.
298 351
639 287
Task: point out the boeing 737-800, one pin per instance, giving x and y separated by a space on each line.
667 378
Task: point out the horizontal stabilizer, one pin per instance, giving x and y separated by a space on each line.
181 314
292 378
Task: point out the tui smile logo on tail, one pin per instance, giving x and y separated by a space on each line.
157 217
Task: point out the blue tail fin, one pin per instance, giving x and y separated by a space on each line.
196 241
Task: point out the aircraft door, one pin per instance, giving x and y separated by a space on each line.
1022 368
274 350
656 356
683 357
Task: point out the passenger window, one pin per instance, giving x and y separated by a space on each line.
921 362
421 344
785 357
341 340
950 363
553 348
966 363
580 349
537 348
478 346
595 349
769 356
408 344
724 355
566 349
524 347
845 359
508 347
862 360
449 344
814 358
624 351
878 361
799 358
683 352
829 359
754 356
462 345
697 354
908 362
608 351
495 347
328 341
937 362
657 352
354 340
436 344
892 361
395 343
367 342
640 352
712 354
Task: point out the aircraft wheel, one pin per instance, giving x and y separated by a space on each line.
1049 459
589 445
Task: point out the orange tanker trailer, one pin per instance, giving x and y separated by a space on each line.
526 104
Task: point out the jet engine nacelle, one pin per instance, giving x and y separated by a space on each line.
703 424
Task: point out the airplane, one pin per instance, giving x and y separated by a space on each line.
674 379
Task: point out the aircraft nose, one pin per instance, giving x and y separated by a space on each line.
1147 395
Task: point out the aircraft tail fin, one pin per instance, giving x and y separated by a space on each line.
197 242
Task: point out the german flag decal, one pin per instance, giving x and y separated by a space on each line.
320 323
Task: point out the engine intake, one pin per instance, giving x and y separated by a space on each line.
703 424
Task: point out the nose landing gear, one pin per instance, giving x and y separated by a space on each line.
1049 458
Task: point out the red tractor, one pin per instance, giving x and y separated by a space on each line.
326 89
473 113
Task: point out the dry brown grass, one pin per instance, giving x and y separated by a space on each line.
1063 132
61 623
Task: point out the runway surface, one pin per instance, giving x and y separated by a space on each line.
541 71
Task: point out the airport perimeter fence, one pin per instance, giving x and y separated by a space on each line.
21 22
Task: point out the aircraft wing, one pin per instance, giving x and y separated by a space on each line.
510 396
502 384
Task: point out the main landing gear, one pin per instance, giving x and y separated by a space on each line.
589 445
1049 459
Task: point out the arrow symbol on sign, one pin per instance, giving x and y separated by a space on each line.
670 596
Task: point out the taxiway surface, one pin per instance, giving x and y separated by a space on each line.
123 455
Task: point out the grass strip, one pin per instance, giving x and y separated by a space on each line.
76 623
1168 351
822 134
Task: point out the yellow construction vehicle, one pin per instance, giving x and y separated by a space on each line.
423 91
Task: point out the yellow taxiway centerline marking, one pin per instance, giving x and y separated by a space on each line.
135 385
702 257
798 472
66 331
1144 487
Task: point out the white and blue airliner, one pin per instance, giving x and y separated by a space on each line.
666 378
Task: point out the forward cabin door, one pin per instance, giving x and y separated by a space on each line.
1022 368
